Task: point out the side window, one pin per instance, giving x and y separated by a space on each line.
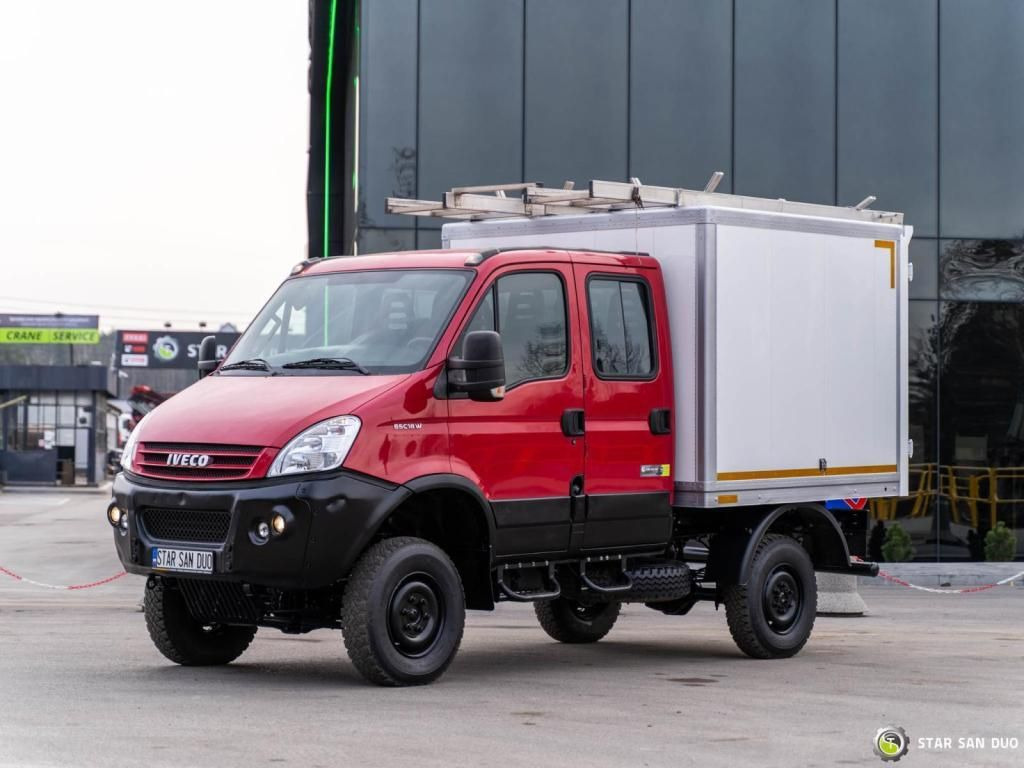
531 320
620 328
530 316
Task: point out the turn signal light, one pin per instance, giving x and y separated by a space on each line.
278 523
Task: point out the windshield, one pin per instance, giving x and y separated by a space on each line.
386 321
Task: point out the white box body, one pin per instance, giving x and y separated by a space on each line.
789 344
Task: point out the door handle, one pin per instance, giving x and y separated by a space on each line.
572 422
660 421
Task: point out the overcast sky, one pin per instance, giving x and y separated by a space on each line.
152 157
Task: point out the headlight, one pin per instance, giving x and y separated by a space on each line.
323 446
128 454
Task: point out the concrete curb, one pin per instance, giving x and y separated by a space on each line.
838 595
946 574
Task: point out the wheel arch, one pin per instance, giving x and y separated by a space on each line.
452 512
732 556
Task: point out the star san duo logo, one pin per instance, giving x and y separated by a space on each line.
891 743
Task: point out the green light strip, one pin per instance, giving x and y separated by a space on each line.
327 129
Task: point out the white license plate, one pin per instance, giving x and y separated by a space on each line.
191 560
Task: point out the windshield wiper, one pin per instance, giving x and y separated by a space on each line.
329 363
254 364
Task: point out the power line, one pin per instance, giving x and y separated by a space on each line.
117 309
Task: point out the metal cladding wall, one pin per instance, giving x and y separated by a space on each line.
816 100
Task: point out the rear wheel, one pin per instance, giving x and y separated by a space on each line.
568 621
771 617
403 612
186 640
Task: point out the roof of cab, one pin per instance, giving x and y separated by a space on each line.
456 258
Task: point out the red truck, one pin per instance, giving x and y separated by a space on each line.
399 437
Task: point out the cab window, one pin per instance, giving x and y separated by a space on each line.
620 328
528 310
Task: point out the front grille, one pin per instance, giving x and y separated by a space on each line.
219 601
219 462
196 526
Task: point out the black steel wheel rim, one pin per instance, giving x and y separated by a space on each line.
416 615
587 612
782 599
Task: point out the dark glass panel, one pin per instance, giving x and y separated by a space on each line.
981 445
982 270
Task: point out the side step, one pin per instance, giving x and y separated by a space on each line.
553 590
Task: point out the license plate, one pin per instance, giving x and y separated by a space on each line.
191 560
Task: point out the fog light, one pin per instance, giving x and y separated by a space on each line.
114 515
278 522
263 530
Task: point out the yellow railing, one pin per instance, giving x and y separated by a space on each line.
971 491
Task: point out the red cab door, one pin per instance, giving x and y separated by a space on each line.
627 405
515 449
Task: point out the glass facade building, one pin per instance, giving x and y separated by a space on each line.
916 102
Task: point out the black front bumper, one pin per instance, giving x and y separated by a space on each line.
331 519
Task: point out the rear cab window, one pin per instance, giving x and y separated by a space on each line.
621 328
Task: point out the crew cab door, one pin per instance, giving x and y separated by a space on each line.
516 449
627 405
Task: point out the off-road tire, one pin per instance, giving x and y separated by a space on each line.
387 654
186 640
746 606
568 621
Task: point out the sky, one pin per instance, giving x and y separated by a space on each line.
152 157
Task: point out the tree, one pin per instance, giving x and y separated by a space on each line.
897 547
1000 544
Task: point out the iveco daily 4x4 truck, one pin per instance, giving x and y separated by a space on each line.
618 394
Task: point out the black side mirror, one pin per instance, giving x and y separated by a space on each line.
208 361
480 372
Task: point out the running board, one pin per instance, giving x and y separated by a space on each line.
528 597
623 586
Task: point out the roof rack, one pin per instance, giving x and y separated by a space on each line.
532 199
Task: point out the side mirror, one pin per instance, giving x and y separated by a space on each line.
208 361
480 372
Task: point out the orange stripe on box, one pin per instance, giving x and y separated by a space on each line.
891 245
775 474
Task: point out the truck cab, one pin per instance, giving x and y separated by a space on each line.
399 437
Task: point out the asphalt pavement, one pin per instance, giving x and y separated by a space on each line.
82 685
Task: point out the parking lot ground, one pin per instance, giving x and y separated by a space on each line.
81 684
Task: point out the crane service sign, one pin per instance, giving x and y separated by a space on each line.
166 349
49 329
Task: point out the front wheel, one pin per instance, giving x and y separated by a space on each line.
403 612
186 640
568 621
771 616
